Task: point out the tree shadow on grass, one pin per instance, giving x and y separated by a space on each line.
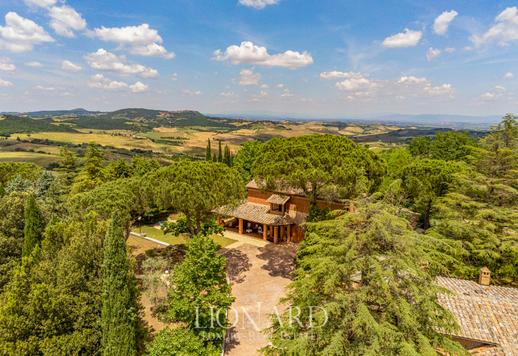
280 259
237 264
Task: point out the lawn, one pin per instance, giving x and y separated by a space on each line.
178 240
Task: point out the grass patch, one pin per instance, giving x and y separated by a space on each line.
179 240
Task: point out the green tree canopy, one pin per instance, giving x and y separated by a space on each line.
317 164
200 294
195 188
363 276
245 158
33 226
424 181
119 297
179 342
447 146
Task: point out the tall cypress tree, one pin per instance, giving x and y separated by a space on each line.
119 298
220 152
33 226
208 155
227 156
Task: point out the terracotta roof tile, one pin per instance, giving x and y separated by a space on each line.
486 313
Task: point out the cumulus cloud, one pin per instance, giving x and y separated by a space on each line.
249 53
5 83
65 20
6 65
432 53
407 38
247 77
189 92
141 40
34 64
107 61
356 82
20 34
286 93
68 66
40 3
442 22
228 94
508 75
503 31
139 87
258 4
334 75
260 96
359 86
496 93
99 81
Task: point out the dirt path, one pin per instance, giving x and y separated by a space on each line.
259 277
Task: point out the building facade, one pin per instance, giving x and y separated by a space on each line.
275 216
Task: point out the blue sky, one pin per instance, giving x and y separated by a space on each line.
324 58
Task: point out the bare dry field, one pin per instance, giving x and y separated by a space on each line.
193 140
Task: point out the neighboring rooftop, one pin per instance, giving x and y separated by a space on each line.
278 199
484 313
258 213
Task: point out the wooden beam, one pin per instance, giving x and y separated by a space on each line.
265 232
289 233
241 226
275 234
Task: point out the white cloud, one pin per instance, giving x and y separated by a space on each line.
449 50
360 87
101 82
68 66
334 75
409 80
508 75
20 34
407 38
5 83
65 20
258 4
191 92
249 53
432 53
107 61
142 40
6 65
503 31
40 3
44 88
261 96
139 87
356 82
34 64
497 92
280 85
443 89
152 50
286 93
228 94
174 77
247 77
442 22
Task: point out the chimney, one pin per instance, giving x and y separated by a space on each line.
485 276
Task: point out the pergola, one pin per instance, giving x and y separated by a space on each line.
277 225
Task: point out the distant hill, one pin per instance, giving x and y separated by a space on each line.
54 113
10 124
145 119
